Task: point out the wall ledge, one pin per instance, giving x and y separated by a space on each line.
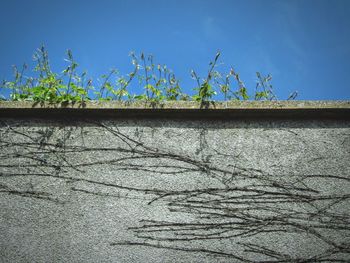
178 109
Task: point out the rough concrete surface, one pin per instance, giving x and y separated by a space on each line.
142 190
233 104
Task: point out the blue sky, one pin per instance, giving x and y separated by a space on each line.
304 44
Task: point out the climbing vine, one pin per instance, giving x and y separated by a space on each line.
226 208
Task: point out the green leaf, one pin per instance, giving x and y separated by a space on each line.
243 92
140 97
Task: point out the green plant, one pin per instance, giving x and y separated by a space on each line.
205 89
214 81
75 90
49 86
158 83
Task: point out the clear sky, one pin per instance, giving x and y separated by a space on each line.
304 44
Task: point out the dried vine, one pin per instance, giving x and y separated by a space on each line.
244 209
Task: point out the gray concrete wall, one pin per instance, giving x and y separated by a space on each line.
174 190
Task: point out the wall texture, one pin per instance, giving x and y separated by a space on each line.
174 190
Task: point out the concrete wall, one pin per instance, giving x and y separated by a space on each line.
174 190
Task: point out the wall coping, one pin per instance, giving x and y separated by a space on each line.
178 109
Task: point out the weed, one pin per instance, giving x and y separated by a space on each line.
158 82
205 88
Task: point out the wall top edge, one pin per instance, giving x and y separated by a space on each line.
179 110
179 105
